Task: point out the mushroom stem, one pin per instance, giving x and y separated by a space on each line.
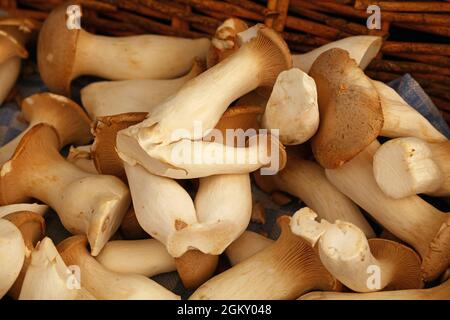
39 209
204 99
411 219
292 107
221 213
12 255
409 166
284 270
361 48
109 98
48 277
9 72
32 228
105 284
402 120
65 54
145 257
153 57
82 158
187 159
67 117
441 292
306 180
86 203
246 246
361 265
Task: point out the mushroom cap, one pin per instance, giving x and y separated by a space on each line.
406 263
67 117
438 258
350 110
14 34
57 47
15 172
103 150
130 228
195 268
32 227
272 51
70 248
240 117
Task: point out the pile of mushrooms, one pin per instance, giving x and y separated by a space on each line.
305 126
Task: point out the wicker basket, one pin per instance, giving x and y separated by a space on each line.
415 33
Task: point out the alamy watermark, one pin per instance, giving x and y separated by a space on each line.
374 20
232 147
74 15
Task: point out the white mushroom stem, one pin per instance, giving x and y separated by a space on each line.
306 180
402 120
137 57
407 166
105 284
246 246
9 72
12 255
221 213
411 219
40 209
48 277
361 48
187 159
82 158
441 292
147 257
292 107
204 99
108 98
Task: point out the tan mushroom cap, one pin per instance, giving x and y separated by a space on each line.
56 50
15 172
104 149
350 110
406 263
67 117
14 34
195 268
130 229
32 227
438 258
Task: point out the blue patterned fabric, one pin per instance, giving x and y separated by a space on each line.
10 126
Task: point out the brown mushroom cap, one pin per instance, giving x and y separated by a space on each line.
57 47
104 149
350 110
32 227
67 117
130 228
438 257
195 268
35 152
14 34
405 261
269 43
